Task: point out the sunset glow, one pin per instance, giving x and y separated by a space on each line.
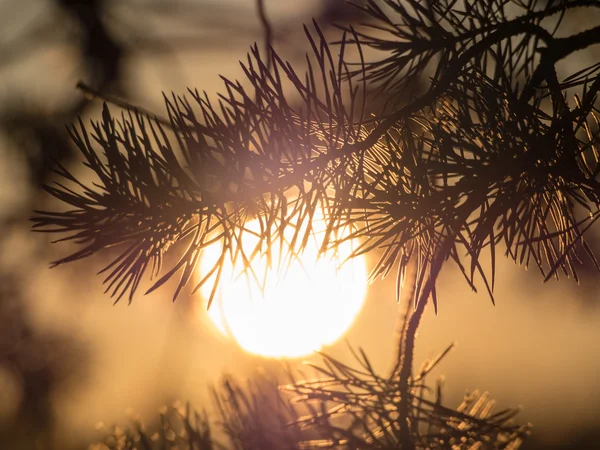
304 306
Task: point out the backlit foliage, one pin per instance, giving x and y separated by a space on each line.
492 152
344 408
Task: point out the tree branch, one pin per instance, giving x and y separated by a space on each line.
558 49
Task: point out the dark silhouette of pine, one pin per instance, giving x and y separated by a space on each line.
497 152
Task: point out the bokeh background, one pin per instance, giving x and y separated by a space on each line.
70 359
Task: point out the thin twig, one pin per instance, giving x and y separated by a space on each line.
121 103
262 14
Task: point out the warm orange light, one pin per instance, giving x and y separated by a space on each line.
303 307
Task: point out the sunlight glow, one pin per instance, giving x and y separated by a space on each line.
303 307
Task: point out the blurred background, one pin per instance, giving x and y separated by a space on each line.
70 359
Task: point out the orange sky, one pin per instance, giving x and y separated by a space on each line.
537 347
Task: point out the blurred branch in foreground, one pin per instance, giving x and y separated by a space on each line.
344 408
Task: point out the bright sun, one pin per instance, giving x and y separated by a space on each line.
303 307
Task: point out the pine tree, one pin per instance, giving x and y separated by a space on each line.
497 152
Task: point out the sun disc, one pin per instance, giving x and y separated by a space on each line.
303 306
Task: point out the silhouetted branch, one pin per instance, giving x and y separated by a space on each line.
465 163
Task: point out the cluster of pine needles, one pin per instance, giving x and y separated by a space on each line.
343 408
491 154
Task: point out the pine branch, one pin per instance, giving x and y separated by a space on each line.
491 153
344 408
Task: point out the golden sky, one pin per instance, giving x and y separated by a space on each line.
537 347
